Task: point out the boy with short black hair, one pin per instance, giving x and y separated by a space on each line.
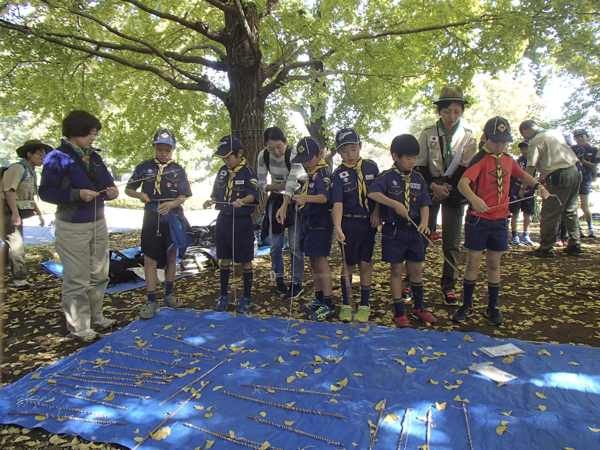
485 185
235 193
527 206
164 188
314 203
404 200
355 218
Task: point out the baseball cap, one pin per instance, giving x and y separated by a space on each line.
227 145
523 144
452 94
164 136
346 136
580 131
498 130
306 149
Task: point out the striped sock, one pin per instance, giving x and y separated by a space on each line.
493 293
151 296
169 287
365 295
398 307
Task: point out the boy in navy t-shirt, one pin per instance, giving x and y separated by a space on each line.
235 193
314 204
164 188
527 206
588 157
355 218
404 200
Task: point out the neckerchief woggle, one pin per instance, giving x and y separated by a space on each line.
362 187
159 175
320 165
498 170
449 135
232 173
406 178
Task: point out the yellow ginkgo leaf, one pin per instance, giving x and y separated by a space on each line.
317 370
265 445
468 338
302 331
231 433
410 369
400 361
573 363
161 434
380 405
52 382
262 414
365 328
500 430
289 423
109 397
343 383
137 430
280 359
138 439
595 430
335 388
49 400
452 386
216 388
504 423
542 408
371 424
35 376
508 359
357 374
540 395
290 378
294 353
391 418
209 444
40 417
462 372
270 391
166 328
301 374
439 354
208 415
432 381
544 352
507 413
199 408
289 405
412 351
440 406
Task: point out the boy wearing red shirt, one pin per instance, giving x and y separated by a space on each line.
486 185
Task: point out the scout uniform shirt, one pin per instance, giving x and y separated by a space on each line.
347 188
548 152
393 183
515 183
318 182
23 180
432 144
233 184
589 154
160 181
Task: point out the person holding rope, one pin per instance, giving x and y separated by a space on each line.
550 155
355 218
486 184
19 188
235 194
276 160
164 188
446 149
76 179
527 205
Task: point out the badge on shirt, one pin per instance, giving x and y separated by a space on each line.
223 173
311 185
415 186
394 182
239 181
344 174
315 176
169 184
369 176
433 141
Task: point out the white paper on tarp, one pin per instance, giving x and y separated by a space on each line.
493 373
501 350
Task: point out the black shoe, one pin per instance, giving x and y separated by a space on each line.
461 314
450 298
294 291
494 316
574 250
549 253
282 288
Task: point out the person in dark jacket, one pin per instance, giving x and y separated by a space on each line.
75 179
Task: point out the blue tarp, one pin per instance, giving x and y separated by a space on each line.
376 361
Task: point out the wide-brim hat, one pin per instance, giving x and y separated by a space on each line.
452 94
32 145
306 149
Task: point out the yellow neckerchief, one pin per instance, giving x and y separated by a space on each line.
362 187
159 175
320 165
406 178
498 170
232 173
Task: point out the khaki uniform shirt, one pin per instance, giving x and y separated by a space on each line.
430 153
548 152
24 190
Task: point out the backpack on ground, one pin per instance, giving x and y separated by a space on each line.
119 265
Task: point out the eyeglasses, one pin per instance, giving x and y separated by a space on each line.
41 153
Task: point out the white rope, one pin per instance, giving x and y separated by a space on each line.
233 255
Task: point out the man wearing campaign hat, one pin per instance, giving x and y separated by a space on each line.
446 150
19 188
235 193
549 154
588 157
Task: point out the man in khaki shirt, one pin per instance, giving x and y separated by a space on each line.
551 156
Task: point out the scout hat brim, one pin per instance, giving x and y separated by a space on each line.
32 145
452 94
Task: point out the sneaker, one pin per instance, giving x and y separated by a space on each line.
346 313
515 240
494 316
171 301
559 242
149 310
282 288
222 303
526 240
363 313
406 294
402 321
244 305
294 291
84 335
21 285
104 323
450 298
574 250
461 314
322 313
592 234
311 307
548 253
424 316
435 236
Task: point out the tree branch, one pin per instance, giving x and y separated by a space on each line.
242 17
465 44
269 7
272 68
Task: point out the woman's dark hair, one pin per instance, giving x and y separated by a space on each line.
405 145
447 103
274 134
79 123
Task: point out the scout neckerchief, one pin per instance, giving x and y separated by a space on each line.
320 165
232 173
449 135
498 170
538 131
159 175
406 178
83 154
362 187
28 168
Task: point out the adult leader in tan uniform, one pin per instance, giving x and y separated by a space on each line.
446 149
551 156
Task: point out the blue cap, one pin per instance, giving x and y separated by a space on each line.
164 137
346 136
227 145
523 144
580 131
498 130
307 148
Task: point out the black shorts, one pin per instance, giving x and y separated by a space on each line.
400 242
317 235
481 234
156 237
360 239
239 247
